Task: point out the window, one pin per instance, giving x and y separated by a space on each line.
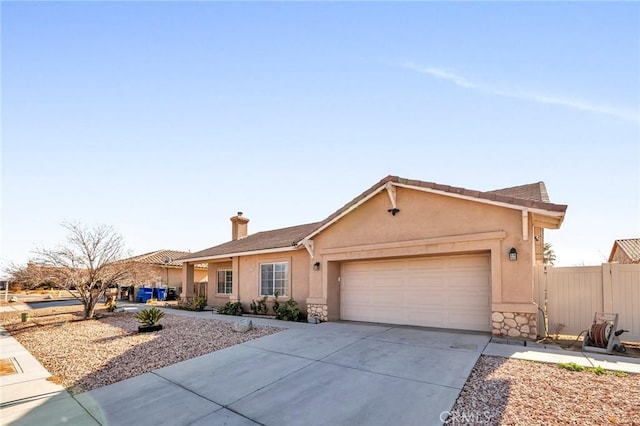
225 282
274 277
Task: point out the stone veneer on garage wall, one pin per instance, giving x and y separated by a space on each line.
319 311
514 324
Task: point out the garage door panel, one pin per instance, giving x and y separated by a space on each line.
426 319
353 298
383 299
460 320
447 292
386 284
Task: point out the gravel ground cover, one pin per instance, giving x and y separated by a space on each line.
502 391
85 355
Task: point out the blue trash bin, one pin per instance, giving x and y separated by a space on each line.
161 292
144 294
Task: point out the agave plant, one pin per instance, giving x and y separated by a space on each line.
150 316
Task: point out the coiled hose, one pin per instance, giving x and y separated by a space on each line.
598 334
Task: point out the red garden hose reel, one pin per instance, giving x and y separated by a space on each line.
603 336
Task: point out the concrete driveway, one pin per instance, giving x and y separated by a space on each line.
333 373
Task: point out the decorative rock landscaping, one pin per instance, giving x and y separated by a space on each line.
243 326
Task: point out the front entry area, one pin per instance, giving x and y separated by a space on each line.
445 292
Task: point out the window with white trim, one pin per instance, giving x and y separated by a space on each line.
225 281
274 277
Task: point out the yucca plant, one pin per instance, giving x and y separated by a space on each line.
150 316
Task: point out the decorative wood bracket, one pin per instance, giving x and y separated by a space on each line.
391 191
308 244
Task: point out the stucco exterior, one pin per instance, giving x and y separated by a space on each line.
428 224
213 297
424 223
248 277
175 276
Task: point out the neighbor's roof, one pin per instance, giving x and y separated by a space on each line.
630 247
160 256
525 196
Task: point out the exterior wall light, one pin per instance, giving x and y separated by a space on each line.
316 266
513 254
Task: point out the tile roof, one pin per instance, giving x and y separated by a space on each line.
530 196
158 257
506 195
630 247
276 238
533 191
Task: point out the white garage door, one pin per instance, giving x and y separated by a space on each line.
446 292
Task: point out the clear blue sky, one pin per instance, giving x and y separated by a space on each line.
164 119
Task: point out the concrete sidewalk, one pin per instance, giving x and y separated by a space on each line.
28 397
332 373
553 354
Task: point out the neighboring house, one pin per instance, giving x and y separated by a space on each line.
402 252
625 251
166 270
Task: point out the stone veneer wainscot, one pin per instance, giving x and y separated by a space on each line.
514 324
319 311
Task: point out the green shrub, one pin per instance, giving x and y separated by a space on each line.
288 311
259 307
183 304
231 309
149 316
198 303
276 304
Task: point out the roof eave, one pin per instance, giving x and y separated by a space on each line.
546 221
243 253
559 214
555 213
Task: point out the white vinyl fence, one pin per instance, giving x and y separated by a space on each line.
574 294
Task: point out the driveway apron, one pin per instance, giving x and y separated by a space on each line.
332 373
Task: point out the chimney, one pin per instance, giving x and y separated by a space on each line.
238 226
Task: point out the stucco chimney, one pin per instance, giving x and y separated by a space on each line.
239 226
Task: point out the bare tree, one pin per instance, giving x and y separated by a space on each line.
90 262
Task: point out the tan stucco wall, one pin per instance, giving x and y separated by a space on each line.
189 276
247 275
429 224
215 299
175 276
